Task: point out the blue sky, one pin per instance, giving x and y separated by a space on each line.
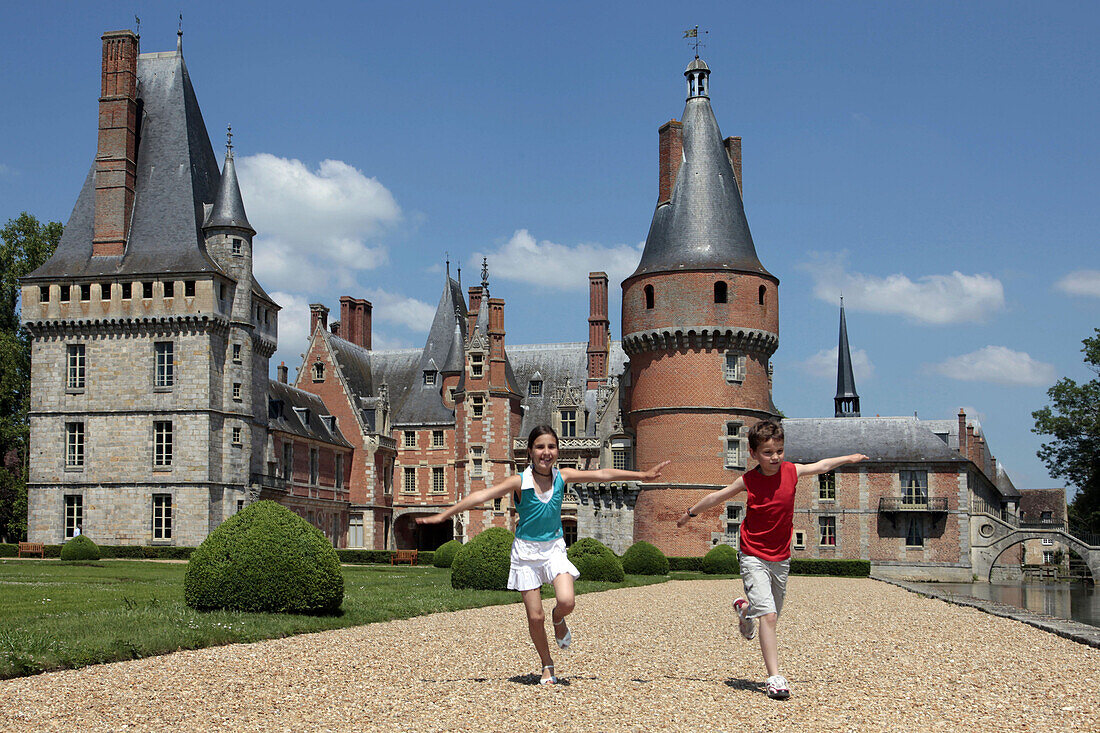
937 162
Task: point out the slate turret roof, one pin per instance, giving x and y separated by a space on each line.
845 376
177 174
703 225
228 208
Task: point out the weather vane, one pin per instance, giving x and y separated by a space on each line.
485 273
137 26
229 139
694 33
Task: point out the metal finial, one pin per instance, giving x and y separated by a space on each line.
447 256
179 36
460 277
137 26
229 140
485 272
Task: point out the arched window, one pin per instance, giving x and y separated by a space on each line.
763 290
720 292
649 297
318 372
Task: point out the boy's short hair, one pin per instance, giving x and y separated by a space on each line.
764 431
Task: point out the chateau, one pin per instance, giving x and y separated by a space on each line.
153 416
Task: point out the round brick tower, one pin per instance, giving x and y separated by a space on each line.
700 321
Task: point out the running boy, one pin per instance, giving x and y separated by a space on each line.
766 537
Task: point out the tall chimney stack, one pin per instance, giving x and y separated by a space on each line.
598 329
671 154
318 313
283 372
355 320
116 154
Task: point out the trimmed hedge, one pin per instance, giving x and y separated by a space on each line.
841 568
642 558
80 548
722 560
484 561
378 557
596 561
265 558
690 564
116 552
445 554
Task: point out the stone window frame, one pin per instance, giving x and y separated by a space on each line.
826 486
735 445
75 446
734 366
85 292
477 364
65 294
236 350
237 434
439 480
146 289
74 514
317 371
189 288
356 521
161 510
236 245
569 421
168 289
237 396
408 480
314 466
127 290
76 367
827 531
913 485
477 406
163 445
477 461
408 439
620 459
733 515
439 439
43 293
799 541
164 365
105 291
429 377
534 388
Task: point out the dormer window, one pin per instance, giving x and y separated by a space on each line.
318 371
534 388
569 423
429 378
477 365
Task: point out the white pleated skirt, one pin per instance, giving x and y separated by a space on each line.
536 563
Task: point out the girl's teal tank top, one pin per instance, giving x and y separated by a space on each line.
539 521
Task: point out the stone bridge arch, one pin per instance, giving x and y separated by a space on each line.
993 536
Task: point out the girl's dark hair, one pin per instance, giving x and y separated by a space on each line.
538 432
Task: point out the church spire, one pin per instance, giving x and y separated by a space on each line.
228 208
846 400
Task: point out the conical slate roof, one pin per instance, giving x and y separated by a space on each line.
177 174
703 225
424 403
845 377
228 209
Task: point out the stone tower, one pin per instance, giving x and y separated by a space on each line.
150 337
700 322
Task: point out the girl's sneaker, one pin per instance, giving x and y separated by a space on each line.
747 626
777 688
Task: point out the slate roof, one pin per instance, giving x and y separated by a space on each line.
228 208
703 225
882 439
1033 502
306 421
845 376
177 174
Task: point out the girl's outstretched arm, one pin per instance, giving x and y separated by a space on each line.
828 464
714 497
570 475
473 499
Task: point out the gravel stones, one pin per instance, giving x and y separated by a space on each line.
859 654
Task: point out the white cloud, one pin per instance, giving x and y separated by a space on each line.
823 364
558 266
293 329
413 314
315 227
1080 282
997 364
935 299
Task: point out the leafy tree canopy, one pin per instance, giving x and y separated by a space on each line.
1073 421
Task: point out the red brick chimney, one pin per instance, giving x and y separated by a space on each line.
283 372
733 151
116 154
475 307
318 313
496 341
598 328
962 432
671 154
355 320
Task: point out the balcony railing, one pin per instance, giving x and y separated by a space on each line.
269 482
912 504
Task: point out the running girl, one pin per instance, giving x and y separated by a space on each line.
538 553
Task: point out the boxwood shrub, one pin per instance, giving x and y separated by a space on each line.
642 558
596 561
721 560
445 554
80 547
693 564
483 562
265 558
843 568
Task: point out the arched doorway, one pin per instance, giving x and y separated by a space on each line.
408 535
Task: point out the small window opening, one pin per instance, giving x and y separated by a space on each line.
169 289
44 293
763 291
147 289
85 292
127 291
649 297
65 293
236 246
720 292
189 289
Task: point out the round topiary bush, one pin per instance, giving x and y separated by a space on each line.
444 555
483 562
722 560
80 548
596 561
645 559
265 558
600 567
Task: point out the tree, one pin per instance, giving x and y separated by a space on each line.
1073 420
24 245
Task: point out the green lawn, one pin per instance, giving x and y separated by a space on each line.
56 615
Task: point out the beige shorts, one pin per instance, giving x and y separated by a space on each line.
765 584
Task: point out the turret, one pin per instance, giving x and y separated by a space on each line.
846 402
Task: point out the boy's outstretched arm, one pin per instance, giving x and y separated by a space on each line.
473 499
569 475
711 499
828 464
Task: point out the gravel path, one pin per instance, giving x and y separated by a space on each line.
860 655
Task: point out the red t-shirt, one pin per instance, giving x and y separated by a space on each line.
769 513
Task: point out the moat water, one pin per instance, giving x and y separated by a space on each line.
1076 601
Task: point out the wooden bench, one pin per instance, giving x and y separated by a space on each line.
400 556
32 548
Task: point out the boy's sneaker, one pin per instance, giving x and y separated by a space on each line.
777 688
746 625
